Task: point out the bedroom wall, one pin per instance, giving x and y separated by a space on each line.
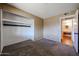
12 35
52 27
38 24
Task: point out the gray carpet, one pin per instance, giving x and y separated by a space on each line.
43 47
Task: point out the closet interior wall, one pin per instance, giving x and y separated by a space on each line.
15 34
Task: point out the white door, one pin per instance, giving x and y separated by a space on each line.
0 30
75 31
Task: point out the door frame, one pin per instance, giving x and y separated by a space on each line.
63 17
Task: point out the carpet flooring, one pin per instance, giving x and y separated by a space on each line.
43 47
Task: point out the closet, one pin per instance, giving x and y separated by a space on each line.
17 25
69 30
18 28
15 28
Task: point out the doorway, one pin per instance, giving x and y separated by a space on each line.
67 26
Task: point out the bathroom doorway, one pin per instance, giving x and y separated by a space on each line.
67 26
67 31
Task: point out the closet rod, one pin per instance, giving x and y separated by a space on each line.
16 25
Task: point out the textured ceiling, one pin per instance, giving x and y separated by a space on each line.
45 10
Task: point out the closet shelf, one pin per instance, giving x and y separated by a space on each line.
7 22
13 21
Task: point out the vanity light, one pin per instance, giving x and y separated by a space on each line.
75 23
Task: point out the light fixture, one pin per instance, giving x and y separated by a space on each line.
75 23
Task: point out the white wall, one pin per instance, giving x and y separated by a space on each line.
52 29
38 28
13 34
